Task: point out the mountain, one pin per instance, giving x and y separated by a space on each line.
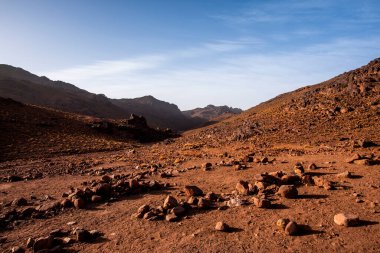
344 109
25 87
212 112
159 113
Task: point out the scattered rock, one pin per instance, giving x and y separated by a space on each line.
43 243
17 249
67 240
204 203
234 202
178 210
345 174
170 202
346 220
288 191
171 217
192 201
221 226
299 169
261 203
291 228
82 235
353 158
30 242
142 210
71 223
242 187
191 190
19 202
364 161
150 215
79 203
96 198
281 223
207 166
312 167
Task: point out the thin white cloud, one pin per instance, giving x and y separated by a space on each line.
232 78
107 68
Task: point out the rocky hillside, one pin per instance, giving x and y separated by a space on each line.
336 110
212 112
25 87
31 132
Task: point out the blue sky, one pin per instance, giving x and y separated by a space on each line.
191 53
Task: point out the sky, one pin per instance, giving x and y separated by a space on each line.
190 53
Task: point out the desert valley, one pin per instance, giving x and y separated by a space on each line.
195 126
298 173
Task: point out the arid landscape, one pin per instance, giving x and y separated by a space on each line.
195 126
298 173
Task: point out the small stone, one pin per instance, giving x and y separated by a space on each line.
354 158
221 226
203 203
192 190
58 233
207 166
264 160
96 198
82 235
142 210
298 169
261 203
346 220
288 191
43 243
170 202
95 233
362 162
291 228
211 196
242 187
359 200
149 215
282 223
66 203
312 167
71 223
192 201
27 212
345 174
171 217
79 203
17 249
67 240
19 202
307 180
178 210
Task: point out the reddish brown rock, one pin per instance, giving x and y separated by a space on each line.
288 191
346 220
242 187
170 202
191 190
79 203
221 226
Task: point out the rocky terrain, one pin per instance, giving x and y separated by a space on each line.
298 173
212 113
